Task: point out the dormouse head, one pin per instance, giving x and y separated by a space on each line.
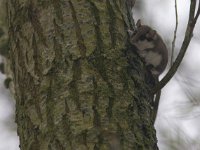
139 33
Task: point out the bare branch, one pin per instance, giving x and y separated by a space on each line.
175 31
188 36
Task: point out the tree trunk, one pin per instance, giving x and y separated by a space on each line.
78 86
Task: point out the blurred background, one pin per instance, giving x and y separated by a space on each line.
178 119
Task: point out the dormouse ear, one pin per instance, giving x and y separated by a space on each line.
138 24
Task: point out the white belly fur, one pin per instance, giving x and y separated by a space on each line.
151 57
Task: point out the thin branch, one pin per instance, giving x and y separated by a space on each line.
192 10
175 31
197 14
188 36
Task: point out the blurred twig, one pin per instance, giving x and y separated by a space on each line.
129 5
175 31
188 36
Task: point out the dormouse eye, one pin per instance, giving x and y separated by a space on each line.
142 38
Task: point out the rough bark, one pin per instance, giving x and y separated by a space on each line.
78 86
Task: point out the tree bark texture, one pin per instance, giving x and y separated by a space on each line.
77 84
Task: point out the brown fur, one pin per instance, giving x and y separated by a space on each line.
150 47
